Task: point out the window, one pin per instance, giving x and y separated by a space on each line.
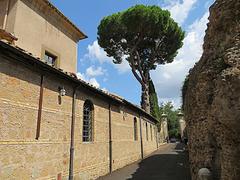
151 132
50 59
135 129
87 121
146 131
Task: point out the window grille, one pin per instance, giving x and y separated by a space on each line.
87 121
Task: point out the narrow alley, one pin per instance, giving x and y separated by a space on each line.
170 162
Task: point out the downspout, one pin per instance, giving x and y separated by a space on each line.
6 15
110 138
40 104
72 134
140 120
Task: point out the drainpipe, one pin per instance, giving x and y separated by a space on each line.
140 120
110 138
40 104
6 15
72 134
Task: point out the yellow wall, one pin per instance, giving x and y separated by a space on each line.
38 30
3 7
24 157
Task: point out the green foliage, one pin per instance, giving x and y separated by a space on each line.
145 36
184 90
144 31
173 123
154 108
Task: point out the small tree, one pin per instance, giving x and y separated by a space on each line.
145 36
173 122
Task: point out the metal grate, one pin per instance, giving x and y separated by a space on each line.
87 121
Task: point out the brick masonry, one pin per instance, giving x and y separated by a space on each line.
24 157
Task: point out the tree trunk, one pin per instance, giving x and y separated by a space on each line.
145 103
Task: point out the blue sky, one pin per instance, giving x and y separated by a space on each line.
96 68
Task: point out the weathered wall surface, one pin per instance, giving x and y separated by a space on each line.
212 98
24 157
44 32
3 12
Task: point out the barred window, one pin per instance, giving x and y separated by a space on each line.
88 121
146 131
135 129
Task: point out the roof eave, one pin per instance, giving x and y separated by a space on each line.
19 52
81 35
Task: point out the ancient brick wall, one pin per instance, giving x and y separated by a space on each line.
24 157
212 97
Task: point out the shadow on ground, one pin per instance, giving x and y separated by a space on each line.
171 166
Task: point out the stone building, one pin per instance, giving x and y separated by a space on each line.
212 97
53 125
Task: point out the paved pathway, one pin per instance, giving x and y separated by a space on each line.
168 163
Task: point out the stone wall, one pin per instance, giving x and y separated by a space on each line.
24 157
212 97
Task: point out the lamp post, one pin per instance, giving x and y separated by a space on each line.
62 91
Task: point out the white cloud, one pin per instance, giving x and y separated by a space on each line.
104 89
94 82
175 101
180 9
81 76
168 78
123 67
91 81
91 71
95 52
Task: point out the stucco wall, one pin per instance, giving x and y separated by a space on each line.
37 30
24 157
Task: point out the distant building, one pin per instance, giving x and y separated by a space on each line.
53 125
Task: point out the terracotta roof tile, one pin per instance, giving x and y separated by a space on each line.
74 76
